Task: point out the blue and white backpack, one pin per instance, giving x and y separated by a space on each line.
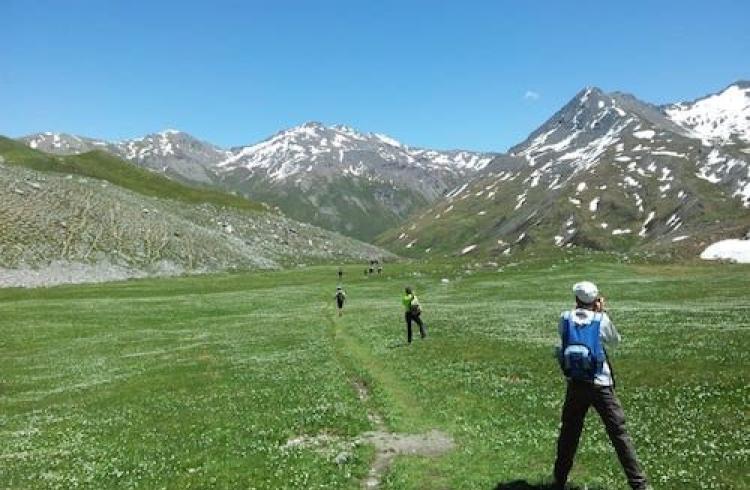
582 355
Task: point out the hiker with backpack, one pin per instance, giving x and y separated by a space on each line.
590 382
413 313
340 299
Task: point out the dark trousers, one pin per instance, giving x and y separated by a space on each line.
579 397
409 316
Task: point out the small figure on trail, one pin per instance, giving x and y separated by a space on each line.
341 273
340 299
413 313
590 381
380 269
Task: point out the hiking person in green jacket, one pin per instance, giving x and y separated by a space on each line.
412 313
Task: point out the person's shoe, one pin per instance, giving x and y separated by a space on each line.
557 486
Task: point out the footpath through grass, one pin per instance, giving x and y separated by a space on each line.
245 381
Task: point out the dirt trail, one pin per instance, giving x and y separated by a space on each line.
390 444
387 444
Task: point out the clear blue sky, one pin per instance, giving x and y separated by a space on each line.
436 74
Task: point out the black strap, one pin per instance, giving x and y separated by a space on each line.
611 368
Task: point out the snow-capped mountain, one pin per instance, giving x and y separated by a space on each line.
339 178
607 171
104 219
294 150
334 176
315 149
62 143
721 118
596 125
175 153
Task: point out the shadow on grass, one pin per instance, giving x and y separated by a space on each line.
397 344
525 485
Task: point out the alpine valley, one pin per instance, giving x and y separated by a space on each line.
606 172
335 177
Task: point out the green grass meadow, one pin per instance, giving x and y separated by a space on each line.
199 382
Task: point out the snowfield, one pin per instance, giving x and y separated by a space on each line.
717 118
733 250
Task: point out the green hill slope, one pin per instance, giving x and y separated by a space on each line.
93 217
101 165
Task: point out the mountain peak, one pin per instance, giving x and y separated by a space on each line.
589 91
723 117
170 132
346 129
61 143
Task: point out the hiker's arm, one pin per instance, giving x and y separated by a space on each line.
610 335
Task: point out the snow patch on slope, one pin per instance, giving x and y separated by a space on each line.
734 250
282 154
718 118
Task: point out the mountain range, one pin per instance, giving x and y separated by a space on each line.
94 216
607 171
360 184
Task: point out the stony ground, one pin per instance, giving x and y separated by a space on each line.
57 228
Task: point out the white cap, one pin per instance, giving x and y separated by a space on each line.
586 291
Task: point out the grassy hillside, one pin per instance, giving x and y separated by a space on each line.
125 222
487 214
101 165
354 206
245 381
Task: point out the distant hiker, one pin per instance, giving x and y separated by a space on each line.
584 362
341 273
340 299
413 313
380 269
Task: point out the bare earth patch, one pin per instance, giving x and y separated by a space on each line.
390 444
387 444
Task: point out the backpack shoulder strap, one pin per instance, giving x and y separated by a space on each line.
565 324
596 320
596 323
